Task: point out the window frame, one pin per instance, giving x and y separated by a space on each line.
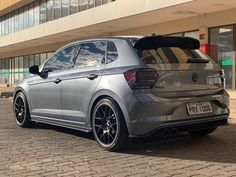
106 60
80 46
59 50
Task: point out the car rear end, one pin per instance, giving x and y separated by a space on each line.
178 88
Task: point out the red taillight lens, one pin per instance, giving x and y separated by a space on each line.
141 78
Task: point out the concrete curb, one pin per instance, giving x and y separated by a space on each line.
6 94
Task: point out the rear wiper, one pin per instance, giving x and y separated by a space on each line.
197 60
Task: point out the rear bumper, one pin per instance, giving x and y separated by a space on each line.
190 125
149 114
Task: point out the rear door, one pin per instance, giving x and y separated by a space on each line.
79 84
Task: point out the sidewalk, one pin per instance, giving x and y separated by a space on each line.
232 94
6 91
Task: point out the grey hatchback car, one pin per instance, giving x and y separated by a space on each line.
121 87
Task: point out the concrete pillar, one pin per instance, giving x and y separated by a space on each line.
203 38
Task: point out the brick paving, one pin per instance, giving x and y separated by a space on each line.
52 151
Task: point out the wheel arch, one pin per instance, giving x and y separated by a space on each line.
103 94
18 90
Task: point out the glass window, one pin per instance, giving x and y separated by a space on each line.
3 25
112 53
177 34
57 9
9 23
31 15
106 1
21 19
49 54
37 59
91 54
25 62
36 12
26 17
83 5
91 3
21 68
43 57
11 71
16 70
63 59
12 23
65 8
6 24
74 6
16 20
25 65
221 50
2 70
192 34
170 55
31 61
3 28
98 2
50 14
42 10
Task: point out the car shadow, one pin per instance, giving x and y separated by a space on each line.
220 146
64 130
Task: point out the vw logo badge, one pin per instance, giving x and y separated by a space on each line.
194 77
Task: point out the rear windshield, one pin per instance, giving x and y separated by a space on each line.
167 55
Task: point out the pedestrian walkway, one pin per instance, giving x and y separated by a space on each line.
6 91
232 94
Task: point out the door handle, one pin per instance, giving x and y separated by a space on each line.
92 76
57 81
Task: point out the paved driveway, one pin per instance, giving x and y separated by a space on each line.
52 151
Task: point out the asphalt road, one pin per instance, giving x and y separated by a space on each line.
52 151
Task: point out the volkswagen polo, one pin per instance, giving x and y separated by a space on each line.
121 87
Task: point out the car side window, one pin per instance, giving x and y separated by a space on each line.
112 53
62 59
91 54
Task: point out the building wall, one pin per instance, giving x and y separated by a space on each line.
9 5
186 24
122 17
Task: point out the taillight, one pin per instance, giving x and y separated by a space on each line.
222 77
141 78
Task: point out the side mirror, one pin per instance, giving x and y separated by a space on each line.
34 69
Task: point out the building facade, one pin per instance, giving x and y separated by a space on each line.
31 30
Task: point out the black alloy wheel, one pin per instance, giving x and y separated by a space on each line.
109 126
21 111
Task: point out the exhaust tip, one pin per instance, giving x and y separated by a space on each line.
165 132
173 131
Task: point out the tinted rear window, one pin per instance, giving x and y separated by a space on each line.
167 55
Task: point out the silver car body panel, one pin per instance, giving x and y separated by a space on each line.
70 102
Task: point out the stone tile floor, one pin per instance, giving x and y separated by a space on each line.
52 151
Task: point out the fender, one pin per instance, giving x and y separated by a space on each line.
116 98
21 89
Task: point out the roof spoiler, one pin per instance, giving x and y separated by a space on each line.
156 41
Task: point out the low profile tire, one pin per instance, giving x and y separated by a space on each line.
109 127
21 110
205 132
